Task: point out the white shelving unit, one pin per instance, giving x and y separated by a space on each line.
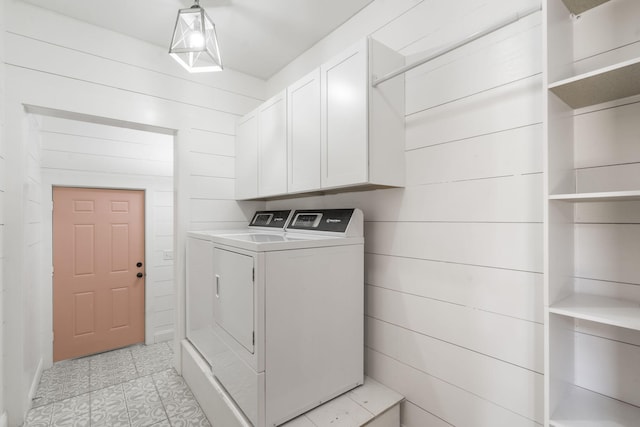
605 84
595 308
592 334
578 6
597 197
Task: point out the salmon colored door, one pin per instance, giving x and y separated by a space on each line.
98 277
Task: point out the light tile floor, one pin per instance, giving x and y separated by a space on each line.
133 386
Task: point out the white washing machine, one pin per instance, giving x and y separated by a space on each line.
288 313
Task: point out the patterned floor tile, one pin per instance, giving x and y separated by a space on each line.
190 418
143 402
152 359
109 408
71 412
39 417
135 386
174 393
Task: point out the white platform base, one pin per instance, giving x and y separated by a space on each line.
213 399
371 404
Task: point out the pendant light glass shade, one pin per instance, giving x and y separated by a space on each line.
194 43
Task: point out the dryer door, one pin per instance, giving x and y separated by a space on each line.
234 295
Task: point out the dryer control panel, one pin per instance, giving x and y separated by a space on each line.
270 219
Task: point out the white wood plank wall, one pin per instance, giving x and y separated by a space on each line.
454 292
211 180
2 206
95 155
70 69
33 225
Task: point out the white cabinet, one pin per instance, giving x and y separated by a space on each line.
345 118
592 213
272 146
303 136
362 126
261 150
330 130
247 156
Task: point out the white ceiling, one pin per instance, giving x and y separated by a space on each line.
257 37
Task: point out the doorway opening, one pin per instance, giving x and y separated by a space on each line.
76 150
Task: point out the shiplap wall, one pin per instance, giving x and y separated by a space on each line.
33 287
3 418
211 182
69 69
79 153
454 289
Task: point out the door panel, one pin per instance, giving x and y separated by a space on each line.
303 135
98 300
345 119
234 295
272 146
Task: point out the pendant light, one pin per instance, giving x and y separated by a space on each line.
194 43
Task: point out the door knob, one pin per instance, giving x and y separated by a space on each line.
139 275
139 264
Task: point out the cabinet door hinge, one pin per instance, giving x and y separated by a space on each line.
253 275
253 338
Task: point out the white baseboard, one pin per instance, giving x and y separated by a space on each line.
3 420
36 381
162 336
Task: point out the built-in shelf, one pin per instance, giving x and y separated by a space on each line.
578 6
608 196
584 408
610 311
605 84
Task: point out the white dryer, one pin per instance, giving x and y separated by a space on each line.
288 314
200 279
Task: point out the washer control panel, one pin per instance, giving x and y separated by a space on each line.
332 220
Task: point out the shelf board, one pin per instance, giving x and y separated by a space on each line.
584 408
578 6
610 311
605 84
608 196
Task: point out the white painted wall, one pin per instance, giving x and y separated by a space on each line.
80 153
79 71
454 290
33 288
3 419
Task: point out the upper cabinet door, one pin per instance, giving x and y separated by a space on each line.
303 131
344 82
272 146
247 157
